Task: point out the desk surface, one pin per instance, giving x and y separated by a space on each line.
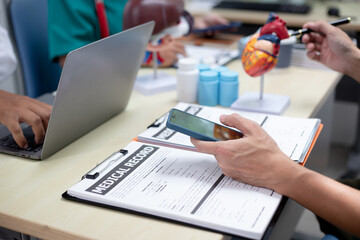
318 12
31 190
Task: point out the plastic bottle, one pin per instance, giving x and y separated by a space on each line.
220 69
228 88
208 88
187 80
203 67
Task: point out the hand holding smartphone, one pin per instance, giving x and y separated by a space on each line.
200 128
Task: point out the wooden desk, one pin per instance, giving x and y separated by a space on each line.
318 12
31 190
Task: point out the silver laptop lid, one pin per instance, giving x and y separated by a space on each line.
95 85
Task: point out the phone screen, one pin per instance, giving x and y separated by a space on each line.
203 126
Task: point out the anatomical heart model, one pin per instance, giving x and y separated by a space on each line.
259 56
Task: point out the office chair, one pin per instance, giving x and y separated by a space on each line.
29 20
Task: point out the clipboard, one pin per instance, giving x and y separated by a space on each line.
124 155
268 231
99 168
159 121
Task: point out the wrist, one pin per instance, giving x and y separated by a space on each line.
289 177
353 67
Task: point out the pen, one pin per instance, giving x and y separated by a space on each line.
334 23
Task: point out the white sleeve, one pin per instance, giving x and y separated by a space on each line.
7 56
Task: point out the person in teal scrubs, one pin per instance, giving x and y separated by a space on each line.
73 24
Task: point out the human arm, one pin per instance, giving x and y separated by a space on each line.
170 48
256 159
16 109
168 51
332 47
61 60
209 20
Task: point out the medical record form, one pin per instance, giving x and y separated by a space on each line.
181 185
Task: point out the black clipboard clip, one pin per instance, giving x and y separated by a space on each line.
159 121
101 167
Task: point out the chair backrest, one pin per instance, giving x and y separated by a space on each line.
29 19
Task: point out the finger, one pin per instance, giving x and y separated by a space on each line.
305 38
246 126
310 47
314 55
205 146
17 133
215 19
34 105
33 120
180 49
310 25
317 38
43 110
319 26
222 21
315 26
39 103
318 47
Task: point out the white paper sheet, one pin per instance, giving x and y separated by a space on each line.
184 186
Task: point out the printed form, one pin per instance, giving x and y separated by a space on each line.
185 186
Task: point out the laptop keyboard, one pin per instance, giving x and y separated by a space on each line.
8 141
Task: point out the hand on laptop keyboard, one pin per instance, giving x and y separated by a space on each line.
16 109
8 141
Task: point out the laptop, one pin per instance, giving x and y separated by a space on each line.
95 84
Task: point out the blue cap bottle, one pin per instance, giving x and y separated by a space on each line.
220 69
229 88
203 67
208 88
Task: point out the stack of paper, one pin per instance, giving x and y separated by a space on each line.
293 135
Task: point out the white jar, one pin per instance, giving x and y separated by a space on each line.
187 80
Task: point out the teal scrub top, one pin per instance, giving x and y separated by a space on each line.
74 23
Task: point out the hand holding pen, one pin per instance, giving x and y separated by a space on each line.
332 47
334 23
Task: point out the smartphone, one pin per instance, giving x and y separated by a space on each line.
199 128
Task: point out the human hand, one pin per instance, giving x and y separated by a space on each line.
254 159
168 50
16 109
209 20
332 47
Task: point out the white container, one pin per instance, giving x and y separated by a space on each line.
187 80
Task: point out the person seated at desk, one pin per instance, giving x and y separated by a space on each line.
16 109
73 24
256 159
